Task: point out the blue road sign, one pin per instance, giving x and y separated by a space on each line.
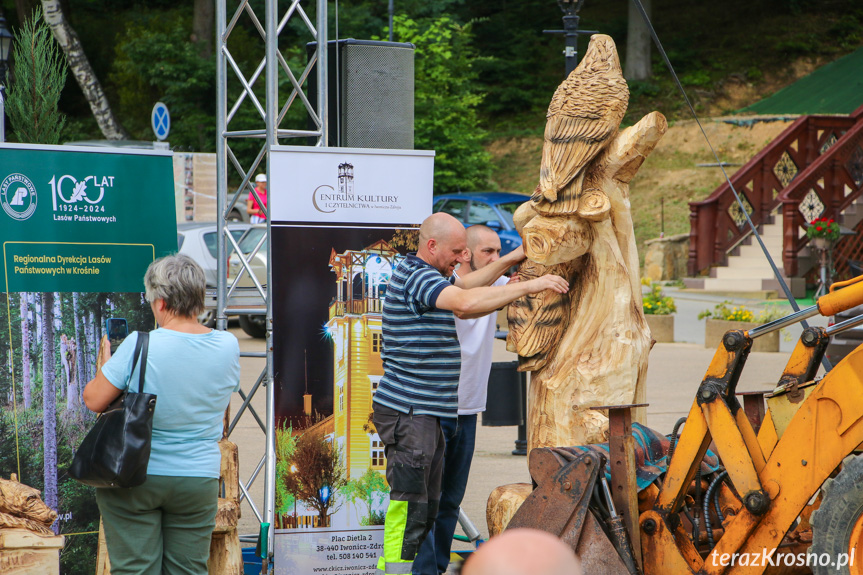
160 119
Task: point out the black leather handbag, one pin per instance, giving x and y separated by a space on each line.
116 451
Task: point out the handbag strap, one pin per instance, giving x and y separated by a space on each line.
141 346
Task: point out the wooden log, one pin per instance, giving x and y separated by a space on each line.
502 504
103 564
226 557
23 552
225 554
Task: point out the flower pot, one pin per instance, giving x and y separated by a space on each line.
661 327
714 329
821 243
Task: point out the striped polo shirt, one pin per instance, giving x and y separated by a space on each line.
421 353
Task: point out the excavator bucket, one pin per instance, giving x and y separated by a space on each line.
560 505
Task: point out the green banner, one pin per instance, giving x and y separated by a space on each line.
78 228
84 219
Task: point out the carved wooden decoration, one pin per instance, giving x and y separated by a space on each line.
21 506
588 347
27 544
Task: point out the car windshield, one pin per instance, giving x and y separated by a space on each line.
210 241
507 210
251 239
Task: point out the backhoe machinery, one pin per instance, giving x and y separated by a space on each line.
785 499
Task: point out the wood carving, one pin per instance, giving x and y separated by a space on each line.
21 506
588 347
27 544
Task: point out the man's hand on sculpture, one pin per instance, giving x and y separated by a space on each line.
549 281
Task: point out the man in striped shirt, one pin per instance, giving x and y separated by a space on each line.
422 362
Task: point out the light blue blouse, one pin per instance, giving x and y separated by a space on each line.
193 376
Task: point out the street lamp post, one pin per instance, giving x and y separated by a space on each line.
5 46
570 31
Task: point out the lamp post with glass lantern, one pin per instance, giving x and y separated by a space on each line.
5 47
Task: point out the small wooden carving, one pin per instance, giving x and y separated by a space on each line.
27 544
21 506
588 347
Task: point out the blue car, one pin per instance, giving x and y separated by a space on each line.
493 209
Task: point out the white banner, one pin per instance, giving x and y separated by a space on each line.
350 185
305 551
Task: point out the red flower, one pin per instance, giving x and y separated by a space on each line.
818 229
830 222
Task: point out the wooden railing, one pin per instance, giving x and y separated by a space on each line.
717 223
355 307
824 189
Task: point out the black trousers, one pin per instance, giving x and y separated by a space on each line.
414 447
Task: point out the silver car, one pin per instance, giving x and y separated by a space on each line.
255 237
198 240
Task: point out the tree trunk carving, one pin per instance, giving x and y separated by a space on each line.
589 347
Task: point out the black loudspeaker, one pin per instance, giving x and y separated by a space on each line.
370 93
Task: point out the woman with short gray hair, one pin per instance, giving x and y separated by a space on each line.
165 525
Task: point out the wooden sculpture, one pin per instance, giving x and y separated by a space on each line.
589 347
28 546
22 506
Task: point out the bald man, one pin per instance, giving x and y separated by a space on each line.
476 339
523 552
422 359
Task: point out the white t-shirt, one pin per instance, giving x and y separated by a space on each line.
476 337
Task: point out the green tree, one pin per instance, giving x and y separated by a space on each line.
317 474
285 446
446 100
370 489
155 61
40 73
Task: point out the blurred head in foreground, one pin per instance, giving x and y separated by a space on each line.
523 552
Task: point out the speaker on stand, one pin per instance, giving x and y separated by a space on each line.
370 93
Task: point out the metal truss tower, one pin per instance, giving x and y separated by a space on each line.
258 88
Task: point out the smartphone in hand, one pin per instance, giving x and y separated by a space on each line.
116 329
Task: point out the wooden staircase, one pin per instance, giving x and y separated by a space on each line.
813 169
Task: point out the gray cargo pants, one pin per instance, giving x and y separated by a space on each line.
414 447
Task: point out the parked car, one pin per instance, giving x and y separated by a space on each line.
493 209
253 325
198 240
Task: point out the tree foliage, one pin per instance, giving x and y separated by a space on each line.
51 427
446 101
155 61
34 93
370 489
316 474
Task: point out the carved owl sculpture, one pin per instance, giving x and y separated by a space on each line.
582 120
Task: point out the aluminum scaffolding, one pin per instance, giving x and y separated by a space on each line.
245 90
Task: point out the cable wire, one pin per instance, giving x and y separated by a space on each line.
825 362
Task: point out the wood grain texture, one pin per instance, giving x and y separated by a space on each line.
21 506
23 552
588 347
583 117
502 504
